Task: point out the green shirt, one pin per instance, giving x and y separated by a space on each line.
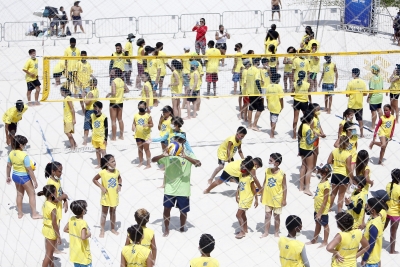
376 83
177 175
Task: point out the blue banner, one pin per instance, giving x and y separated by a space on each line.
358 12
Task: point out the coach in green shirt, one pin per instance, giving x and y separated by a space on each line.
177 181
375 100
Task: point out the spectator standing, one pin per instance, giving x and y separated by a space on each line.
64 20
220 36
76 18
276 7
201 30
128 51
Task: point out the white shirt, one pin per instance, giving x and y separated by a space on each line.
222 40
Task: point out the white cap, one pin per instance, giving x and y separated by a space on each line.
186 48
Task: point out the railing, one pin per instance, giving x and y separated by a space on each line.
188 21
168 24
249 19
385 24
329 16
20 31
290 18
114 27
87 26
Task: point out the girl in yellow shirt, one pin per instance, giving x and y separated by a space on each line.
385 130
147 92
164 124
244 195
301 100
317 129
142 124
111 184
362 168
345 245
395 91
393 213
356 202
348 116
206 246
69 116
176 86
287 70
136 254
50 228
140 52
237 67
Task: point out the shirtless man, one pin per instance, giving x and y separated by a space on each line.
275 8
76 11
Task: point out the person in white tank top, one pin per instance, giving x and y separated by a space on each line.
221 36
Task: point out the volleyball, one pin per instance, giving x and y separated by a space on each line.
33 165
174 148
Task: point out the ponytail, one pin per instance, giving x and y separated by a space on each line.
395 179
104 161
47 191
300 81
51 167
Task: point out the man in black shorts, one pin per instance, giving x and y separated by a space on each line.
31 77
276 7
256 101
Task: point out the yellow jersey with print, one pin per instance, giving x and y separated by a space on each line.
136 255
252 75
352 148
142 132
32 66
348 248
268 43
239 62
109 180
165 126
310 43
375 255
212 63
395 86
290 252
148 235
154 65
233 168
17 158
186 64
329 73
340 157
204 262
288 67
129 48
243 82
47 208
192 76
139 53
358 218
95 95
12 115
72 52
300 64
59 67
246 194
119 62
273 189
300 91
303 143
67 109
98 127
317 125
177 89
119 91
356 99
150 92
84 71
274 94
273 61
222 149
163 62
79 250
265 78
320 195
59 190
201 72
394 201
386 127
314 63
367 185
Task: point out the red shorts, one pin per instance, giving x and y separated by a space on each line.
246 100
316 142
211 77
393 218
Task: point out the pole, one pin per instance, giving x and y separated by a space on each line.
319 13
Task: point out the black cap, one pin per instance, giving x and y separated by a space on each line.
131 36
380 194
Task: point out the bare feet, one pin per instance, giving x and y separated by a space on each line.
37 216
206 191
272 136
255 128
166 233
264 235
187 118
121 137
393 252
20 215
113 139
240 235
140 165
323 245
101 234
114 232
182 229
276 234
97 167
147 167
210 181
308 192
84 143
371 145
59 252
312 242
161 186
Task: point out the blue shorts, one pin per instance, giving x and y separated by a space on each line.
236 77
155 86
375 107
324 219
328 87
372 265
186 79
165 142
226 177
87 125
82 265
182 203
20 179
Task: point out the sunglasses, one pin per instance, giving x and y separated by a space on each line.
202 21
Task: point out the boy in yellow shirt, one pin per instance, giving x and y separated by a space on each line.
212 67
11 117
206 246
356 99
274 96
31 68
79 234
99 132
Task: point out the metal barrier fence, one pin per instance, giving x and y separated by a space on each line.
167 24
249 19
188 21
385 24
328 17
87 27
113 27
23 31
290 18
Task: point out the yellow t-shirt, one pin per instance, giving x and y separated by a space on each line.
72 52
394 202
17 158
395 86
243 82
98 127
129 48
348 248
339 161
139 53
186 64
386 127
268 43
233 168
119 91
178 88
245 193
154 65
265 78
239 63
165 126
143 94
319 197
212 64
67 110
329 73
59 205
12 115
303 88
204 261
290 252
191 83
352 148
119 62
95 96
317 125
300 64
303 142
356 100
273 189
252 75
274 94
59 67
84 71
148 235
358 218
142 132
163 62
375 256
32 66
314 64
288 66
310 43
222 149
47 208
110 181
136 255
79 250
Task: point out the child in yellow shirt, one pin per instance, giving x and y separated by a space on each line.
206 246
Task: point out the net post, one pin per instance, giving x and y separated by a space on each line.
46 79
